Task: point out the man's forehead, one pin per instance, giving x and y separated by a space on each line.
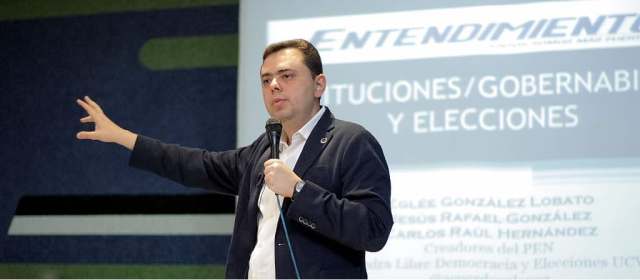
285 59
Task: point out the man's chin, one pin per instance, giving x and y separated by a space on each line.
280 115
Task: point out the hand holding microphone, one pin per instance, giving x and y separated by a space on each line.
277 175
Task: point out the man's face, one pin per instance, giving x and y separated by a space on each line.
290 93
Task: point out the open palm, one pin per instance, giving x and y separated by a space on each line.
105 130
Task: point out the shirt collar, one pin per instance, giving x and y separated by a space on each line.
306 129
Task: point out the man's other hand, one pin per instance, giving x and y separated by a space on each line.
105 130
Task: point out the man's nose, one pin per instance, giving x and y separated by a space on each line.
274 85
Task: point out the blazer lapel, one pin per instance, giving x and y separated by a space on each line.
320 137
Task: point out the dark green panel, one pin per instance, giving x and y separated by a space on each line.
110 271
190 52
31 9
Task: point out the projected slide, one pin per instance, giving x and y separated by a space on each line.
511 129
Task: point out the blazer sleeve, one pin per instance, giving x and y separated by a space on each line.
217 171
360 218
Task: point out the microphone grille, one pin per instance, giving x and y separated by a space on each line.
273 124
272 121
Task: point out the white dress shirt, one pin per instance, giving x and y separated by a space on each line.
262 263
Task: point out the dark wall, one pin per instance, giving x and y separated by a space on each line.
48 62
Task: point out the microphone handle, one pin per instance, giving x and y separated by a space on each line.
275 141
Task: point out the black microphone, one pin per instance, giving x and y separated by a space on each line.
274 129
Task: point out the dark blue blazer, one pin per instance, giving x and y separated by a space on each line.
343 210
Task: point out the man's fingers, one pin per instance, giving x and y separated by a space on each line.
87 119
272 162
86 107
86 135
93 103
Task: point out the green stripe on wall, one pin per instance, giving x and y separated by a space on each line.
32 9
190 52
110 271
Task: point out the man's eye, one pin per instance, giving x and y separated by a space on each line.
265 81
287 76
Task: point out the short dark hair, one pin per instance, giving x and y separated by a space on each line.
311 56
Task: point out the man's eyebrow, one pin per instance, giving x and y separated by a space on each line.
278 72
284 70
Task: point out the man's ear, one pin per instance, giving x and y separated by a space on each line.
320 85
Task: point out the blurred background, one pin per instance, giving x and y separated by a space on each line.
70 208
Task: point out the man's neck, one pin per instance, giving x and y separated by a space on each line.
292 126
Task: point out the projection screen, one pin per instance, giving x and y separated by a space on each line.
509 126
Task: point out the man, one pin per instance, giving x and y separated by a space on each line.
331 179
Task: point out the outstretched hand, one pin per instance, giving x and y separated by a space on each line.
105 129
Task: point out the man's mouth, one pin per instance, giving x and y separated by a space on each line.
278 101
